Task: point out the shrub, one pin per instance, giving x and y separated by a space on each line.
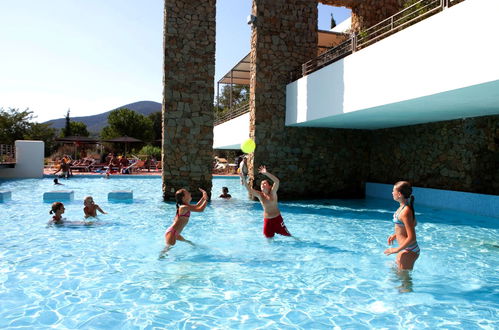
151 151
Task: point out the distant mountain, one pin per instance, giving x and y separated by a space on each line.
96 122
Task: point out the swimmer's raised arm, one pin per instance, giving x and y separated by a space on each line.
201 204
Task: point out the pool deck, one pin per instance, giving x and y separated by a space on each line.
50 172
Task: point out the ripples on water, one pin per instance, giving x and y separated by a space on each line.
108 275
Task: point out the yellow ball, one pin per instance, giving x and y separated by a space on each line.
248 146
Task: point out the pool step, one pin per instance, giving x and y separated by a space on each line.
58 195
120 195
5 195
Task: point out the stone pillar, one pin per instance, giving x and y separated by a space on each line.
311 162
370 12
189 70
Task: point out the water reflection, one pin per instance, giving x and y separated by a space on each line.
403 279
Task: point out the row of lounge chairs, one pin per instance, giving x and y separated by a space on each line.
91 165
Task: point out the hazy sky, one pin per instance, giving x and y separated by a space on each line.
95 55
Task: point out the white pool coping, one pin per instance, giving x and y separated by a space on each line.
480 204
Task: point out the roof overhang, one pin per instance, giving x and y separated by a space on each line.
240 73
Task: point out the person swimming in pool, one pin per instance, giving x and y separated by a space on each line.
184 209
57 209
91 208
225 193
405 227
272 219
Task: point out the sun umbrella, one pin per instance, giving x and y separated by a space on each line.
124 139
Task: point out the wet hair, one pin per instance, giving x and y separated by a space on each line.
268 181
55 207
56 181
405 188
225 190
179 196
87 198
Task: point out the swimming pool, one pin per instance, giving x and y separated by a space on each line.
108 275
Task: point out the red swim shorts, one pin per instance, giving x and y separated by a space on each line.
274 226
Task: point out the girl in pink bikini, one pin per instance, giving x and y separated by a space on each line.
184 209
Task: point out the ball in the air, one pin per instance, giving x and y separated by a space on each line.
248 146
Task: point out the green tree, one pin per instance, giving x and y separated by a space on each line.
151 151
14 124
18 125
77 129
45 133
128 122
240 95
67 129
157 124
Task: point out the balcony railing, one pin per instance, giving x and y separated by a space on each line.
231 114
7 154
418 11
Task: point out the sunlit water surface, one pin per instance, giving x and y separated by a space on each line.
108 275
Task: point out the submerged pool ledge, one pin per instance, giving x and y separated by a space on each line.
480 204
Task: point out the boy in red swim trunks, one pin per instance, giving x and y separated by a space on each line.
272 219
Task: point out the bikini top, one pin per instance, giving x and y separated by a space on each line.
396 219
186 214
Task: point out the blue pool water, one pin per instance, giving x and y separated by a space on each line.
108 275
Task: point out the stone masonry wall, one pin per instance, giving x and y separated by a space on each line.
310 162
460 155
189 69
366 13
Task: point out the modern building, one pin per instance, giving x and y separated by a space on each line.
410 94
416 97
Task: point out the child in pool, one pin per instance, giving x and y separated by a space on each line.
405 227
272 219
91 208
184 209
57 209
225 193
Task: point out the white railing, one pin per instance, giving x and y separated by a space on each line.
416 12
232 113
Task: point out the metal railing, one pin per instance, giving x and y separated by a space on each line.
416 12
330 56
231 114
7 153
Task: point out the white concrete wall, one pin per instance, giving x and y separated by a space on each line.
231 134
29 160
480 204
453 49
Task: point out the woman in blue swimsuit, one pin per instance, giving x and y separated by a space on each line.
405 227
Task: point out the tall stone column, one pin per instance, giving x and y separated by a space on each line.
189 70
311 162
370 12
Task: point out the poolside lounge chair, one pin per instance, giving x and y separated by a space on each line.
85 165
221 165
136 166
